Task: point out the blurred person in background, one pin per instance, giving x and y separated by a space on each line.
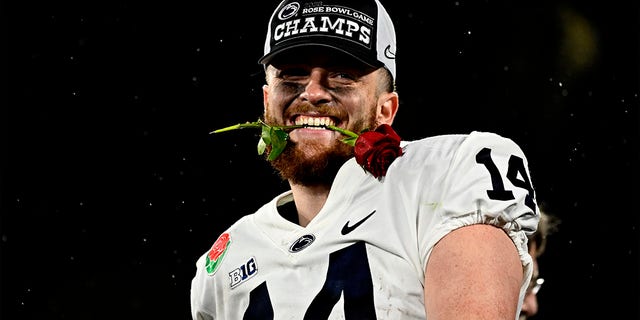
537 244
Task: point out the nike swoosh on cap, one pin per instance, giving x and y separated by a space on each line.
346 229
388 53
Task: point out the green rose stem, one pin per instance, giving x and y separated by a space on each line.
351 136
277 136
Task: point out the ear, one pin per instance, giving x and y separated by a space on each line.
388 104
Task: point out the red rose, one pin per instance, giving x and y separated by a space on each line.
376 150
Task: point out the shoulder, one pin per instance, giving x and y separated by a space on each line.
450 146
451 142
437 156
246 230
441 144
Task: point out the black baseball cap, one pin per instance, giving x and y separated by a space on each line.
359 28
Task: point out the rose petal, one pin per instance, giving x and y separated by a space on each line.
376 150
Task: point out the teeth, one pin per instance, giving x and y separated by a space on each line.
314 121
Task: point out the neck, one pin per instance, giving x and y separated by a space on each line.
309 200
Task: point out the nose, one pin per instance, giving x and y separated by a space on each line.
316 88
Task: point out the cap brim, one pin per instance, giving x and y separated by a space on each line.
267 59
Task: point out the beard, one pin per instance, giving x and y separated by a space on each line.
319 167
298 167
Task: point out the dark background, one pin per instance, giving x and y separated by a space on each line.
112 186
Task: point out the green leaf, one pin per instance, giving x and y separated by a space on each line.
278 142
266 134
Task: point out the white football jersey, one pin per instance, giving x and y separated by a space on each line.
364 255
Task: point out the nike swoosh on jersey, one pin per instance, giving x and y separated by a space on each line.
347 228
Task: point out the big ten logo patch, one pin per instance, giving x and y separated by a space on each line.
243 273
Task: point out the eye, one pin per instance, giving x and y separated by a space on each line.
343 76
292 73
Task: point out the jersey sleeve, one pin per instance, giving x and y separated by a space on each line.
482 179
200 309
